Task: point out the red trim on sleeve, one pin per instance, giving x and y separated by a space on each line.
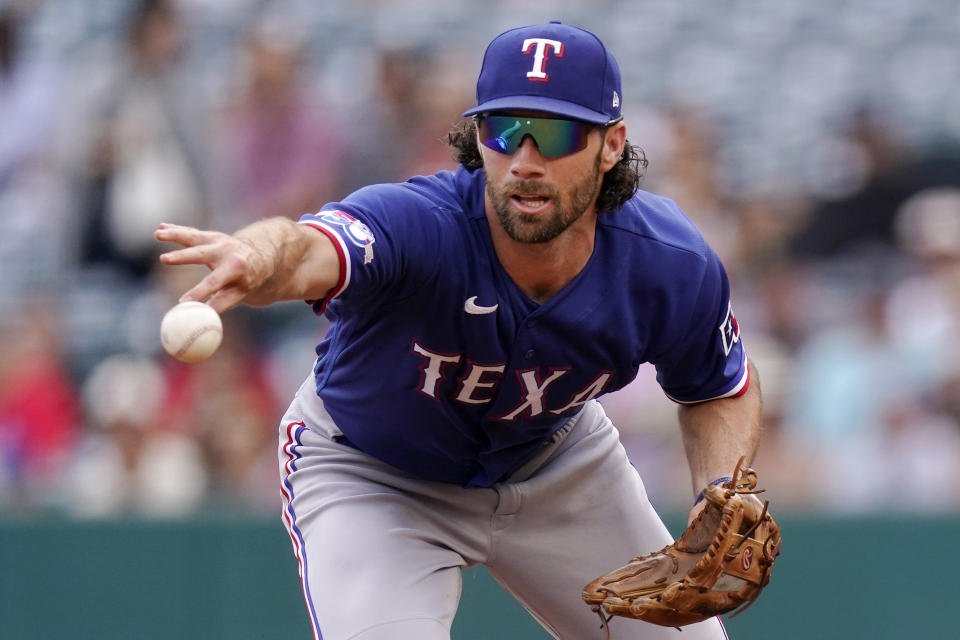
746 383
736 392
320 305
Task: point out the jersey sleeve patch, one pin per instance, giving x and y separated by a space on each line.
729 330
351 229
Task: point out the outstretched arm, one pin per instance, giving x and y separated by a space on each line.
270 260
718 432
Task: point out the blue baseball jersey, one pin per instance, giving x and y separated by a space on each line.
436 363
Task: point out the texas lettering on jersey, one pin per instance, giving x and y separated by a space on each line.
478 384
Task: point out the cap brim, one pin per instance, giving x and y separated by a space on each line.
540 103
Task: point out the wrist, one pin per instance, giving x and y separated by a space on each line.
713 483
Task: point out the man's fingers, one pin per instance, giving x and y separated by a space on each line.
231 276
219 278
201 247
187 236
175 233
226 298
203 254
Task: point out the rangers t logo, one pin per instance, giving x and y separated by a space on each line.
539 72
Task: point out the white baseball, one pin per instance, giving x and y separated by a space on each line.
191 331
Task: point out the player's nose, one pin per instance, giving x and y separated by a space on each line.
527 161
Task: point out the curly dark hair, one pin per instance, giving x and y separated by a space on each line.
619 183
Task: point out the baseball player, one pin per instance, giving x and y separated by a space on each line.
451 418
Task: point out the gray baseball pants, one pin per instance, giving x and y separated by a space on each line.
381 551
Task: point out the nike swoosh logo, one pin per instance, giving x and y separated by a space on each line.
471 306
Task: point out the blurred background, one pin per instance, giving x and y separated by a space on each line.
816 143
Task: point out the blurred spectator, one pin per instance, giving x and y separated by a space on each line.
127 464
866 216
765 227
441 93
688 175
418 94
39 409
32 200
142 159
913 457
227 404
239 442
924 309
28 94
281 149
846 376
866 212
380 144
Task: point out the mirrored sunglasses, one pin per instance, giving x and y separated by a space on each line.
554 137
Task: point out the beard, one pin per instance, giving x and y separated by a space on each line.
540 228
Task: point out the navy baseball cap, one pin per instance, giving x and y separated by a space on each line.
555 68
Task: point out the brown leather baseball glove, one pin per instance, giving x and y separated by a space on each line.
721 561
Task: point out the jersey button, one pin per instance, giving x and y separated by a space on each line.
529 354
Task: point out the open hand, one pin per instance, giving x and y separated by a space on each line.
238 268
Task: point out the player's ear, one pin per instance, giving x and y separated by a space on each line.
614 139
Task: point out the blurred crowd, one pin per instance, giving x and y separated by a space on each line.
837 214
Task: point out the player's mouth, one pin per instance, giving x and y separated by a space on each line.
530 204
